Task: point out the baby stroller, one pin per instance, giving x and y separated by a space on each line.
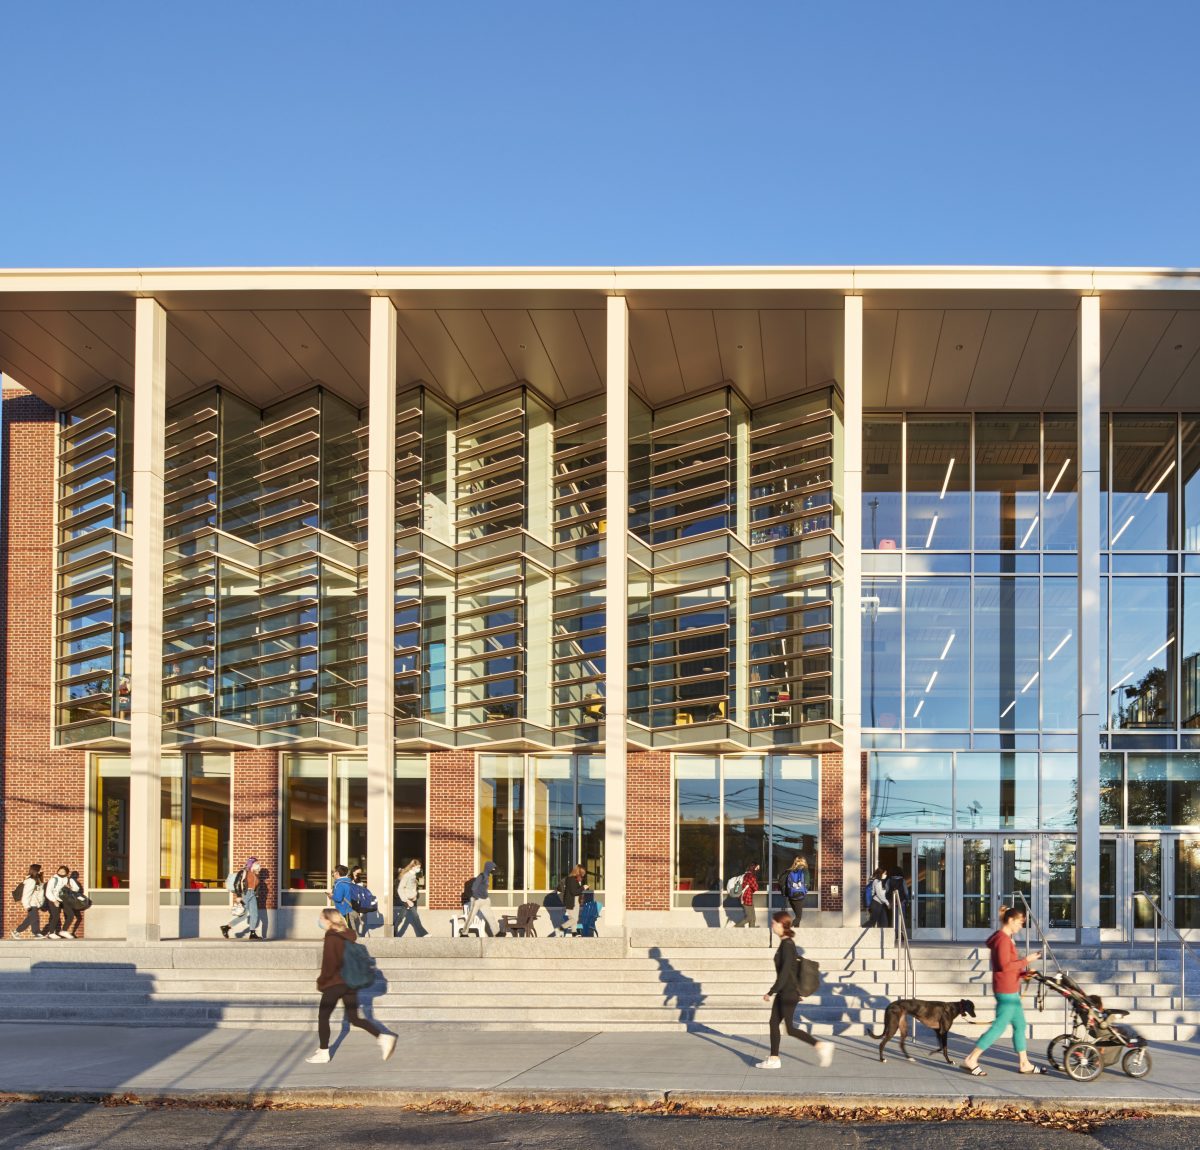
589 914
1095 1040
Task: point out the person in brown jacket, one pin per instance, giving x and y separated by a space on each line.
332 988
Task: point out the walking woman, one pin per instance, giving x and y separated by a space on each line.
571 891
1007 969
33 898
795 887
879 903
54 902
407 894
786 992
333 989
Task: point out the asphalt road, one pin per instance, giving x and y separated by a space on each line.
78 1127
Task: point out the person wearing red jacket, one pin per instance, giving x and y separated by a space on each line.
1008 968
749 890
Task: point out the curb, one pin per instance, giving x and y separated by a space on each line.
833 1107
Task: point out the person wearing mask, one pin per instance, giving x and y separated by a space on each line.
571 890
786 992
33 898
749 890
879 901
481 898
54 904
407 894
1008 967
75 901
246 890
795 887
329 982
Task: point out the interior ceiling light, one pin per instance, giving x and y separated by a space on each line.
1127 675
932 680
946 481
946 648
918 710
1061 644
1028 533
932 529
1061 472
1031 682
1158 481
1004 713
958 347
1155 654
1122 531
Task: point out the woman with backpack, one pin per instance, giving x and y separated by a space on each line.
54 902
794 887
75 901
786 992
31 894
570 890
331 982
407 894
879 900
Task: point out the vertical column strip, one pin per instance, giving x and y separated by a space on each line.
145 689
1091 678
616 606
381 596
851 652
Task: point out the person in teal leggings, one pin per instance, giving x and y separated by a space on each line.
1007 970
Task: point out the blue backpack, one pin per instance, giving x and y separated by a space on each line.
797 884
867 894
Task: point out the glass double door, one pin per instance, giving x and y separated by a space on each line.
959 882
1164 867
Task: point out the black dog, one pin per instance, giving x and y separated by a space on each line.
938 1016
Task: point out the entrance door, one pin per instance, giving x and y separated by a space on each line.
994 871
1183 875
931 909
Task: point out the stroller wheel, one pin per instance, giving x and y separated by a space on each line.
1136 1063
1083 1061
1057 1049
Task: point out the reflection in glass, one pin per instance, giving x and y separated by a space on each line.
1060 478
698 823
1016 872
1005 618
996 790
1059 682
882 437
910 790
306 803
1164 790
1190 456
209 786
1147 877
1007 483
1060 793
795 813
1112 792
976 884
937 650
1187 883
1189 685
1143 482
1108 884
1061 865
929 884
1142 654
502 818
881 622
939 482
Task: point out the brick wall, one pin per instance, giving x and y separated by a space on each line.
43 791
831 831
451 827
255 829
648 831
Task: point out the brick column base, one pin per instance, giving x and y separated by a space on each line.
451 827
648 831
255 830
831 831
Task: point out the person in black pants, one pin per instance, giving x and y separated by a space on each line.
786 992
879 900
334 990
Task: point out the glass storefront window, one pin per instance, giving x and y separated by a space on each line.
910 791
939 484
1006 674
306 803
881 662
996 790
410 801
210 783
1164 790
1060 793
1062 883
1143 482
937 653
744 786
1142 653
697 822
1007 482
349 811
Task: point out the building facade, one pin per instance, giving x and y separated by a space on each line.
664 572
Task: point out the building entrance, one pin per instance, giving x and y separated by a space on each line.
1165 867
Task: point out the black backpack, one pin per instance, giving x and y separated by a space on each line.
19 891
466 894
808 976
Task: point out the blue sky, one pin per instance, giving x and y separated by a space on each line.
650 132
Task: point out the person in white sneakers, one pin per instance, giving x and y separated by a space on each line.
54 890
333 989
786 993
33 897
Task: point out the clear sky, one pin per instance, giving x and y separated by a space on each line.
641 132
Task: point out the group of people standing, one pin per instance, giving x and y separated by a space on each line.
792 885
63 898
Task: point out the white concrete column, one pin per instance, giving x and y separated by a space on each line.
1092 686
146 653
852 393
381 599
616 606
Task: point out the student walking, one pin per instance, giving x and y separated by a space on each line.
794 887
407 894
33 897
1007 969
879 903
54 895
246 885
331 984
895 888
786 992
481 898
749 890
75 901
570 890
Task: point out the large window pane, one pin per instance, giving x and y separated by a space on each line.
1007 482
502 818
1060 793
996 790
409 809
1060 479
881 632
1006 687
1190 456
590 797
1142 655
350 813
939 477
1112 792
209 788
1062 883
1164 790
745 787
698 823
1059 682
881 482
306 801
110 841
1143 483
1189 687
937 653
910 791
795 813
553 830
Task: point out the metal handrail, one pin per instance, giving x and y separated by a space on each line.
1030 917
1185 950
900 939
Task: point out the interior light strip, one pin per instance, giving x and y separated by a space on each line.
1028 533
932 680
946 481
932 529
946 648
1155 654
1122 531
1061 472
1061 644
1159 480
1004 713
1031 682
918 710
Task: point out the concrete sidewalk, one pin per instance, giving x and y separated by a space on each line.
499 1067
